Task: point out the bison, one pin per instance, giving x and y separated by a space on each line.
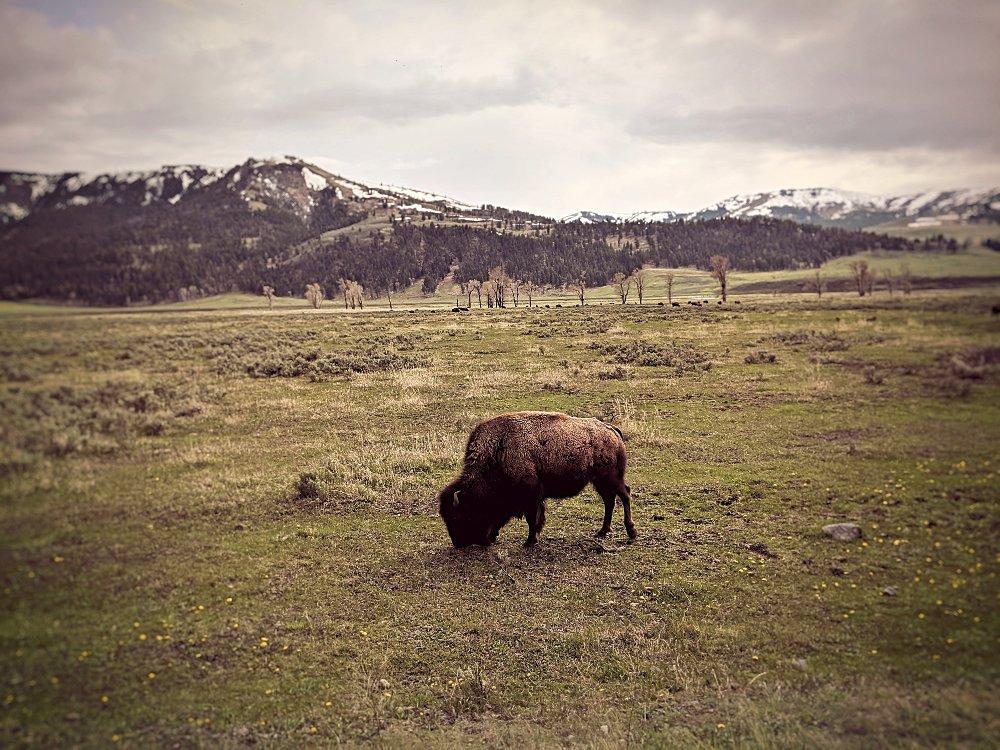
513 462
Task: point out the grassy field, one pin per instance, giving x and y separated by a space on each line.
219 529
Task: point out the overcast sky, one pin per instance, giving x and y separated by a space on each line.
545 105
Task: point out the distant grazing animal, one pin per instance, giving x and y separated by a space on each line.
515 461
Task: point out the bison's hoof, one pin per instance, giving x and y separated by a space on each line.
530 542
602 533
631 533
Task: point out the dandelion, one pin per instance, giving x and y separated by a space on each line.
720 725
874 652
152 675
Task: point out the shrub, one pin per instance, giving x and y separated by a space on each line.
873 376
307 486
680 357
761 358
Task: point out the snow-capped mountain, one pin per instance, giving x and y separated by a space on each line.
829 207
285 183
592 217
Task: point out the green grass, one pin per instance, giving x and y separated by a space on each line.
973 233
196 554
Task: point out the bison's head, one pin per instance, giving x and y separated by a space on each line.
463 517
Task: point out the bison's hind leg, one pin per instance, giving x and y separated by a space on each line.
625 493
609 491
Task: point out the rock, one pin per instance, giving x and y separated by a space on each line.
843 532
383 683
890 591
605 728
801 664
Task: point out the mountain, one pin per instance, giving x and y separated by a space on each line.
833 208
190 230
287 183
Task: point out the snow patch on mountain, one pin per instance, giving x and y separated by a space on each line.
426 197
12 212
314 182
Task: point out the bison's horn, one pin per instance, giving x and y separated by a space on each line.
454 499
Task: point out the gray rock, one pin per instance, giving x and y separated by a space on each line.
890 591
843 532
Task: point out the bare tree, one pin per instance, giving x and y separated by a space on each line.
623 284
343 285
670 287
816 283
476 286
905 278
500 281
861 274
515 286
639 277
530 289
720 272
356 294
269 293
314 295
890 280
580 287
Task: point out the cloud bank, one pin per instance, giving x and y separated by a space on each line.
550 107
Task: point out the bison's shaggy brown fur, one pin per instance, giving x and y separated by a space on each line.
515 461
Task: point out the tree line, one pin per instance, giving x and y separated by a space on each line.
109 255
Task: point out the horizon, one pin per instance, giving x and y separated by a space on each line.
557 109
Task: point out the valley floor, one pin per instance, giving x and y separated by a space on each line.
218 528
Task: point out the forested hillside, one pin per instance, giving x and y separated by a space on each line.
188 232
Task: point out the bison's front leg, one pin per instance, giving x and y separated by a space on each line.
608 496
536 521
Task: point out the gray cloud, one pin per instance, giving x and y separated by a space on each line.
845 76
567 101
